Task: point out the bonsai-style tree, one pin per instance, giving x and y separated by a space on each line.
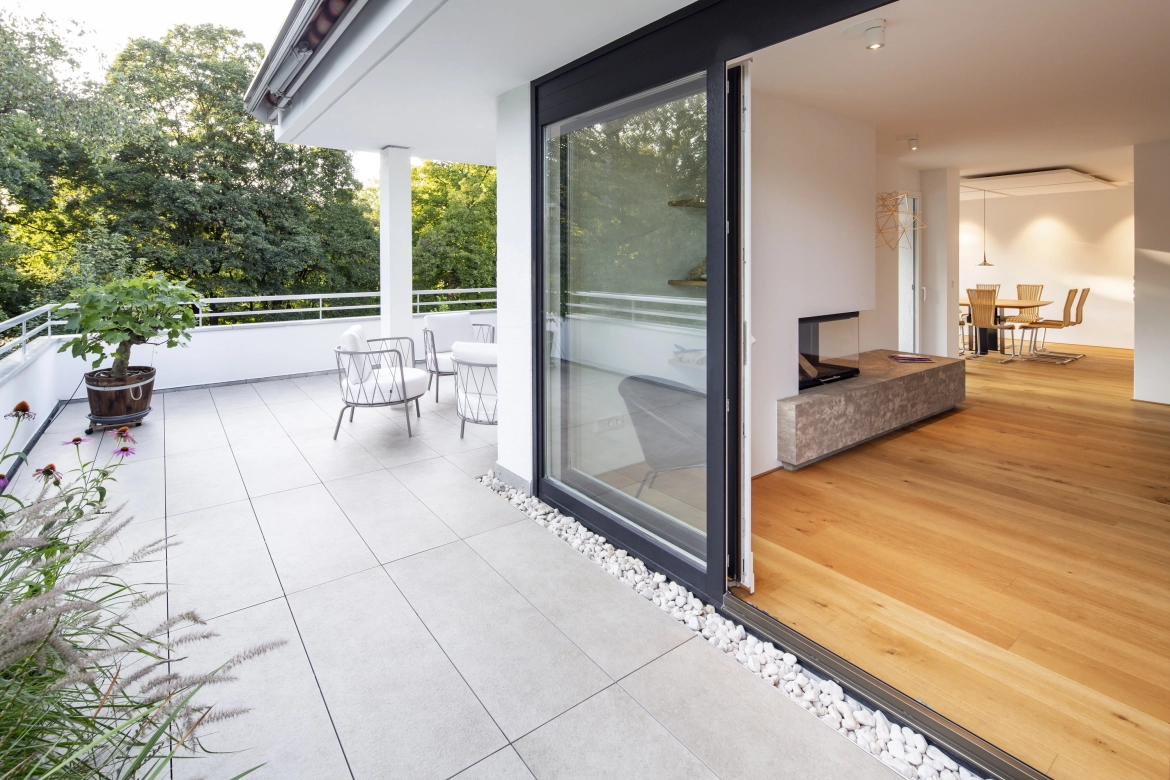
126 312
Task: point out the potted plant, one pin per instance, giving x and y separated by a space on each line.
121 314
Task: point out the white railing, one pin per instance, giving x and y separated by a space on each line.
317 303
27 334
657 309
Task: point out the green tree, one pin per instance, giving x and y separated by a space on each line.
454 225
205 194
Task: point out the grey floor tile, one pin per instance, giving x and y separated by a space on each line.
219 562
310 539
521 667
738 725
149 439
475 463
459 501
318 386
615 626
442 435
287 728
235 396
194 432
276 391
148 575
388 516
334 458
141 485
272 464
608 736
385 441
250 424
197 480
302 416
502 765
407 712
179 403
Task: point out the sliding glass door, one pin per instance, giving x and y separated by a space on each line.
624 357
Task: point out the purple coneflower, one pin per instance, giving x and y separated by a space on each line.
76 441
21 411
123 451
122 435
3 481
49 473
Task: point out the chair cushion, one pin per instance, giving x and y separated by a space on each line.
444 361
449 327
357 367
384 388
475 352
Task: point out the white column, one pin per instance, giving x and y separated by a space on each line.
1151 272
514 285
938 329
394 246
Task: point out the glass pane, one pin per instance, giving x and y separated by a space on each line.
625 299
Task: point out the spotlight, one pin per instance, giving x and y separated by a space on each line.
875 37
912 142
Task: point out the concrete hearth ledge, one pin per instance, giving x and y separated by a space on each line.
886 396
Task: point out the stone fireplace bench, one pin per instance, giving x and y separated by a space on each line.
886 396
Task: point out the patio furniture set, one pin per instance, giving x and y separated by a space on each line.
385 372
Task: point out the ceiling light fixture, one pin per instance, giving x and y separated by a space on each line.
985 264
912 142
874 31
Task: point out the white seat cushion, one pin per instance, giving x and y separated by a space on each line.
444 361
449 327
357 367
383 387
475 352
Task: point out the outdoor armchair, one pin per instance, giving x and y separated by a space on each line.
377 372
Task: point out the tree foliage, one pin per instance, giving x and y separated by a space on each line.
454 224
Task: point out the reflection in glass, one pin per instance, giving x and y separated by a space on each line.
626 311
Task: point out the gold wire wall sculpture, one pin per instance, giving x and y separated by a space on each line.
895 220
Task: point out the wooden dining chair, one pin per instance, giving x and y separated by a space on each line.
1066 357
1027 292
983 317
1034 328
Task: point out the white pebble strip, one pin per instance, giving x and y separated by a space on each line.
902 749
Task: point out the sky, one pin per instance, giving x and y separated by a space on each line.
109 24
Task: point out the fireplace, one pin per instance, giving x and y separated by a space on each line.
828 349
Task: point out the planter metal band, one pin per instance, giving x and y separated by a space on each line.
122 387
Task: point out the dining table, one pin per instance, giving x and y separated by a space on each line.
988 338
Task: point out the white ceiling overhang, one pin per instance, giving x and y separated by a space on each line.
1030 183
425 74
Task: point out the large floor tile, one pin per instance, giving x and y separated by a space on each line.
442 435
615 626
476 462
318 386
301 417
385 441
276 391
287 728
738 725
272 464
193 432
141 486
197 480
147 574
149 439
249 424
502 765
235 396
521 667
310 539
400 707
334 458
388 516
459 501
608 736
180 403
219 562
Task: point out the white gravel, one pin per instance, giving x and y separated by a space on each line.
902 749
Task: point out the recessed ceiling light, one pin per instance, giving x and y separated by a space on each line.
912 142
874 31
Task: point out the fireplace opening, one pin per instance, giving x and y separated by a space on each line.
828 349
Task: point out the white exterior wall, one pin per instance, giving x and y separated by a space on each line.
1067 240
1151 201
938 321
395 243
514 284
812 251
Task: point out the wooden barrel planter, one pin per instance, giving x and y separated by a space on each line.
119 401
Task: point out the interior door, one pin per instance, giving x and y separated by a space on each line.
746 573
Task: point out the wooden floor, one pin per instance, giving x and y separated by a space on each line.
1008 563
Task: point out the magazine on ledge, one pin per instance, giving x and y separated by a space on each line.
911 358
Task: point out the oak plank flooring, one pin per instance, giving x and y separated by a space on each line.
1007 563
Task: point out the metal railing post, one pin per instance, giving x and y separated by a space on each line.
23 336
321 307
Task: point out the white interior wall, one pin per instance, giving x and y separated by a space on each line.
938 320
1151 356
813 181
879 325
514 284
1066 240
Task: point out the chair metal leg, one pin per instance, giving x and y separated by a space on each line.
352 409
339 416
406 408
462 426
417 413
438 379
